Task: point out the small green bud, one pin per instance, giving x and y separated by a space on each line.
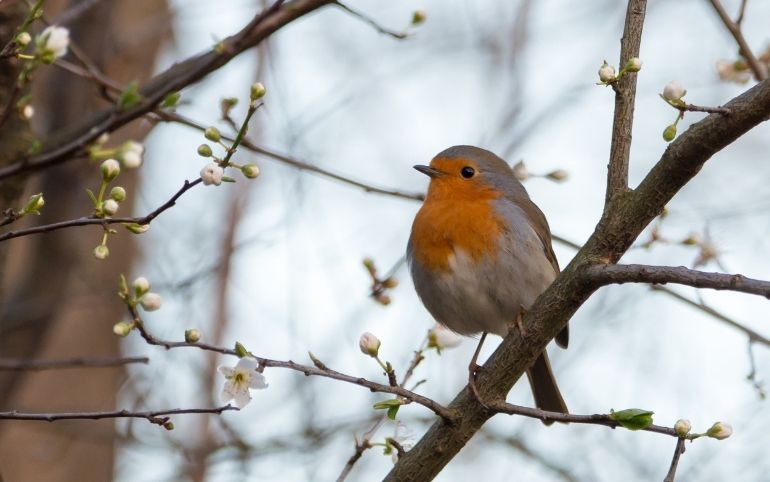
171 100
419 17
669 133
169 425
212 134
251 171
241 350
118 193
192 335
633 418
23 39
141 286
34 204
101 252
633 65
110 169
204 150
257 91
720 431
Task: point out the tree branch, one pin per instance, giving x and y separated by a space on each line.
639 273
625 95
678 451
757 68
38 365
86 221
615 233
180 75
160 417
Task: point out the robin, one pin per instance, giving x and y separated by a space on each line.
480 254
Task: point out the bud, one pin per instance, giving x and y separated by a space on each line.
130 154
27 112
169 425
369 265
369 344
118 193
251 171
682 427
558 175
692 240
257 91
23 39
419 17
34 204
606 73
122 328
101 251
634 64
212 134
383 299
151 301
673 90
110 207
52 43
520 171
669 133
193 335
720 431
110 169
212 173
204 150
137 228
390 283
141 286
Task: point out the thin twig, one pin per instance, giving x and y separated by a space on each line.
754 336
757 68
639 273
678 451
83 362
547 416
741 13
407 395
700 108
159 417
86 221
168 116
372 22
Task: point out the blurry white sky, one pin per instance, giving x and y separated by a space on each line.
359 103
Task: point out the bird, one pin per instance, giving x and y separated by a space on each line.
480 253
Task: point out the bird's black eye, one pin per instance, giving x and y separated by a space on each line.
467 172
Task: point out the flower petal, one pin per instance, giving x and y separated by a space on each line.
258 381
226 371
242 398
247 363
227 393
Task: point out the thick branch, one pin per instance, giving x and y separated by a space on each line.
639 273
177 77
613 236
625 94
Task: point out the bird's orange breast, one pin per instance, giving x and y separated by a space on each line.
455 215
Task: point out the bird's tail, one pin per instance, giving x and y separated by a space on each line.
544 388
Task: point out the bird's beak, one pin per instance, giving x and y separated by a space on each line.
428 171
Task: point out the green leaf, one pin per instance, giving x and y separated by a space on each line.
633 418
392 411
241 350
130 96
393 402
92 196
171 100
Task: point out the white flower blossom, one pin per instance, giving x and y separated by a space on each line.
151 301
442 337
369 344
131 154
141 286
110 169
239 380
54 40
212 173
27 112
673 90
